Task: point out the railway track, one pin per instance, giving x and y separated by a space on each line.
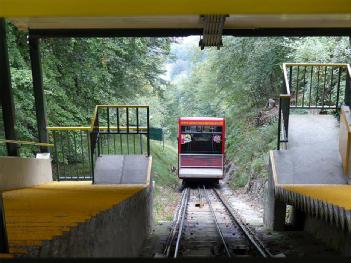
205 225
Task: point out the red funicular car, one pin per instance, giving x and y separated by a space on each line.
201 142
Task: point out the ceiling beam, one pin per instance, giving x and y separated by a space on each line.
183 32
92 8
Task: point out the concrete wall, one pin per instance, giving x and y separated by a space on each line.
344 140
329 234
117 232
274 209
16 172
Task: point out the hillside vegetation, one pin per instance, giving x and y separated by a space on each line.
234 82
166 181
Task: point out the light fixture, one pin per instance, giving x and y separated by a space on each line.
212 31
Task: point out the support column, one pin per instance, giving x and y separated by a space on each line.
40 105
6 96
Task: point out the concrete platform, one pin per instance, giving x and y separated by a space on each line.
309 176
331 203
121 169
312 155
79 219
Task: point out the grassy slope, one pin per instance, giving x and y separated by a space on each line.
166 195
248 146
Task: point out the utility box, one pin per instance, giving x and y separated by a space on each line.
345 140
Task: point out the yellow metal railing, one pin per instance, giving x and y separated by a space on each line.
286 78
113 129
27 143
95 113
113 106
87 128
28 149
312 86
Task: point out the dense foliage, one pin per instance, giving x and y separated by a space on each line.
235 82
80 73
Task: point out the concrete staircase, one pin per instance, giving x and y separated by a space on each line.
37 215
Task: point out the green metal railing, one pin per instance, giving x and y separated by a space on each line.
119 130
311 86
71 154
114 129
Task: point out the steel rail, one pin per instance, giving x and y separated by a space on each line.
200 195
248 233
216 221
176 217
182 217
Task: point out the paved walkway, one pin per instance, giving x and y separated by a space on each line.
121 169
312 156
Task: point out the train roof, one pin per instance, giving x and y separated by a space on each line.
201 119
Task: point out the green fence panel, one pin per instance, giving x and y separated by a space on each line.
156 134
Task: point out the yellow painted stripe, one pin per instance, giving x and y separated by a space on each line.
339 195
5 256
15 250
30 8
42 212
25 243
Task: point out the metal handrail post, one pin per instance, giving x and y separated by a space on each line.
279 122
4 244
347 89
148 130
92 143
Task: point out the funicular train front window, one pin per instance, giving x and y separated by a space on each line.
201 139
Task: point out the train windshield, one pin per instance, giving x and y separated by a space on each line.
201 139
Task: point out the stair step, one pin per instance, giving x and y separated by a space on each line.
41 213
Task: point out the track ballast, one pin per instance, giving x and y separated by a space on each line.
205 225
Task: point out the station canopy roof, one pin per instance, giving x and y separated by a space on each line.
175 14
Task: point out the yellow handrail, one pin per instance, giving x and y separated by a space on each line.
287 95
112 106
342 65
285 65
90 128
69 128
349 70
27 143
86 128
